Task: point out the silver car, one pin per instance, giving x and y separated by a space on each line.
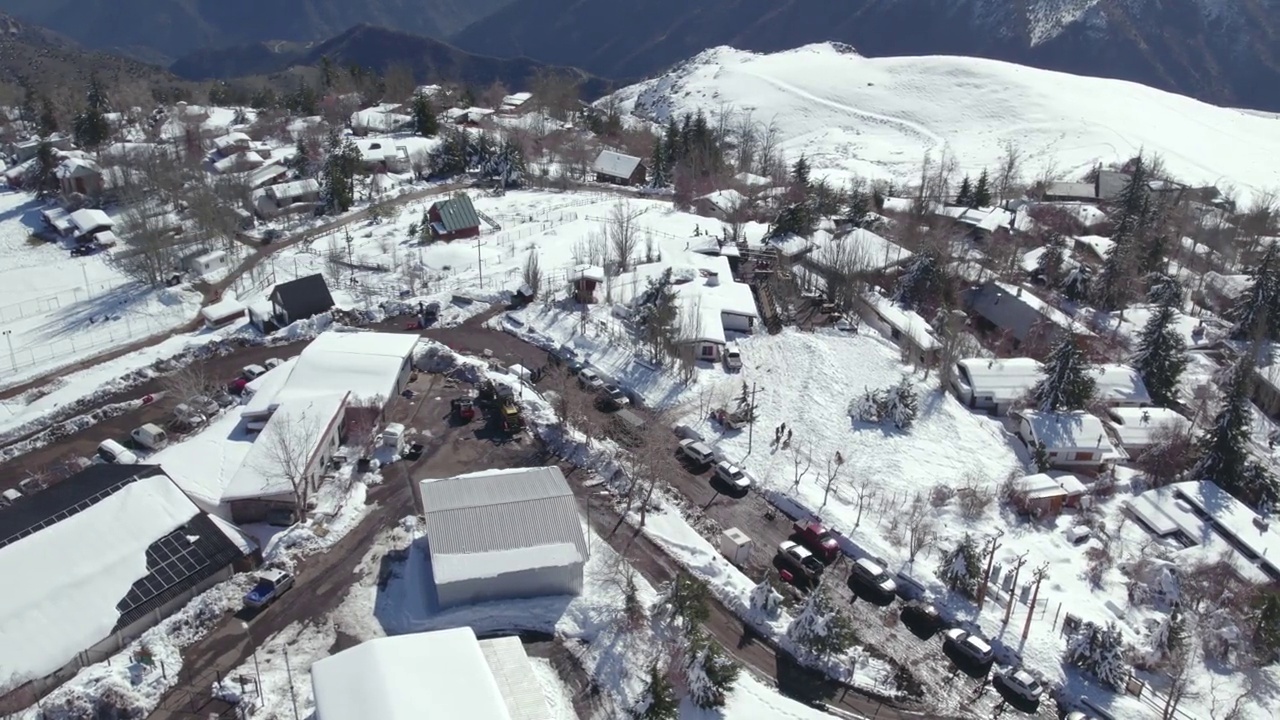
971 646
1022 683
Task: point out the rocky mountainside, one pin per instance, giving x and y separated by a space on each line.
376 48
32 54
162 30
1222 51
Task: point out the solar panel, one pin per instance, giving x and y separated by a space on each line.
171 560
58 517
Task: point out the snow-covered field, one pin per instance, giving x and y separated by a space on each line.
876 117
56 309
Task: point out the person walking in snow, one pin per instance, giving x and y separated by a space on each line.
788 438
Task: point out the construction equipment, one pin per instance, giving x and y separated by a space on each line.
463 409
509 415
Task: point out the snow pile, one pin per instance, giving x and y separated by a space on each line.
876 117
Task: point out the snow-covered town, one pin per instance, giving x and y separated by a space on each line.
434 405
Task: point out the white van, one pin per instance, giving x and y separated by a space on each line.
150 436
393 436
9 497
113 452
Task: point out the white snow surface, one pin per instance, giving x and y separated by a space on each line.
876 117
63 583
454 567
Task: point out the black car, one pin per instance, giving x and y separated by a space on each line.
922 615
84 249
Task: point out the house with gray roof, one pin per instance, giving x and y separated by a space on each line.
1018 312
502 534
618 169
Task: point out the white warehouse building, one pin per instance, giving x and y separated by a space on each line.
502 534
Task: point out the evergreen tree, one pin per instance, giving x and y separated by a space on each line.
1078 284
800 173
1049 264
1099 651
48 120
659 172
1266 624
302 162
1223 449
709 673
1040 457
765 599
961 569
982 191
1113 287
794 219
425 122
1067 383
860 205
659 701
965 196
453 156
1133 205
1161 356
338 175
44 177
902 404
920 281
820 626
1256 313
90 125
1164 290
684 603
505 165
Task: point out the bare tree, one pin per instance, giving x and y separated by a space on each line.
834 464
864 495
532 272
360 423
149 254
1008 171
335 261
768 161
845 268
289 440
187 382
922 528
1171 452
624 234
800 458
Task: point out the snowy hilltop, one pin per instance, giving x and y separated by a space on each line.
877 117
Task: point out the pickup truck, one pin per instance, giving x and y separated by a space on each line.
271 585
815 536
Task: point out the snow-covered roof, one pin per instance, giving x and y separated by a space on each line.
595 273
366 364
89 219
63 583
1135 426
1018 310
295 189
1003 380
515 100
751 179
1031 260
378 119
222 309
375 150
615 164
238 160
294 434
726 201
1045 485
455 567
203 464
1120 384
266 174
704 288
71 167
1229 286
58 218
440 675
1076 430
1216 523
907 322
1097 244
231 139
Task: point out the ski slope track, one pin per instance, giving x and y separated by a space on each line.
877 117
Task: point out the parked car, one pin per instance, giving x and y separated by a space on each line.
733 475
9 497
187 416
237 386
614 396
31 485
971 646
799 558
1077 715
272 363
252 372
222 398
732 357
820 540
589 379
204 405
922 615
113 452
85 249
1021 683
271 585
698 452
150 436
869 574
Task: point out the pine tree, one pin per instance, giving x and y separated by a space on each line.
982 191
684 603
338 175
965 196
659 701
919 282
1099 651
1164 290
1067 383
659 174
860 206
48 121
1256 313
1223 449
902 404
820 626
962 567
44 177
709 673
1266 624
90 125
800 173
1133 205
425 122
1040 457
1049 264
1113 287
1161 356
505 164
1078 284
765 599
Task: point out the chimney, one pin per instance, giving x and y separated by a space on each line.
713 278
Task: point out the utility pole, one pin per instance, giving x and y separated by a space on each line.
751 424
292 695
1013 586
479 262
992 544
1039 574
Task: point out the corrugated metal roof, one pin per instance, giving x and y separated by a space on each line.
519 686
457 213
615 164
502 510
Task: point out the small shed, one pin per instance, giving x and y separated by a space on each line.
209 262
454 218
736 546
300 299
618 169
88 221
585 278
222 313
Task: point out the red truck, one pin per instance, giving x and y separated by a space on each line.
820 541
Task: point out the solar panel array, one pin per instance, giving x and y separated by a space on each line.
58 517
170 561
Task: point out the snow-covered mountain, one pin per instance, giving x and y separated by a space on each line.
876 117
1223 51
